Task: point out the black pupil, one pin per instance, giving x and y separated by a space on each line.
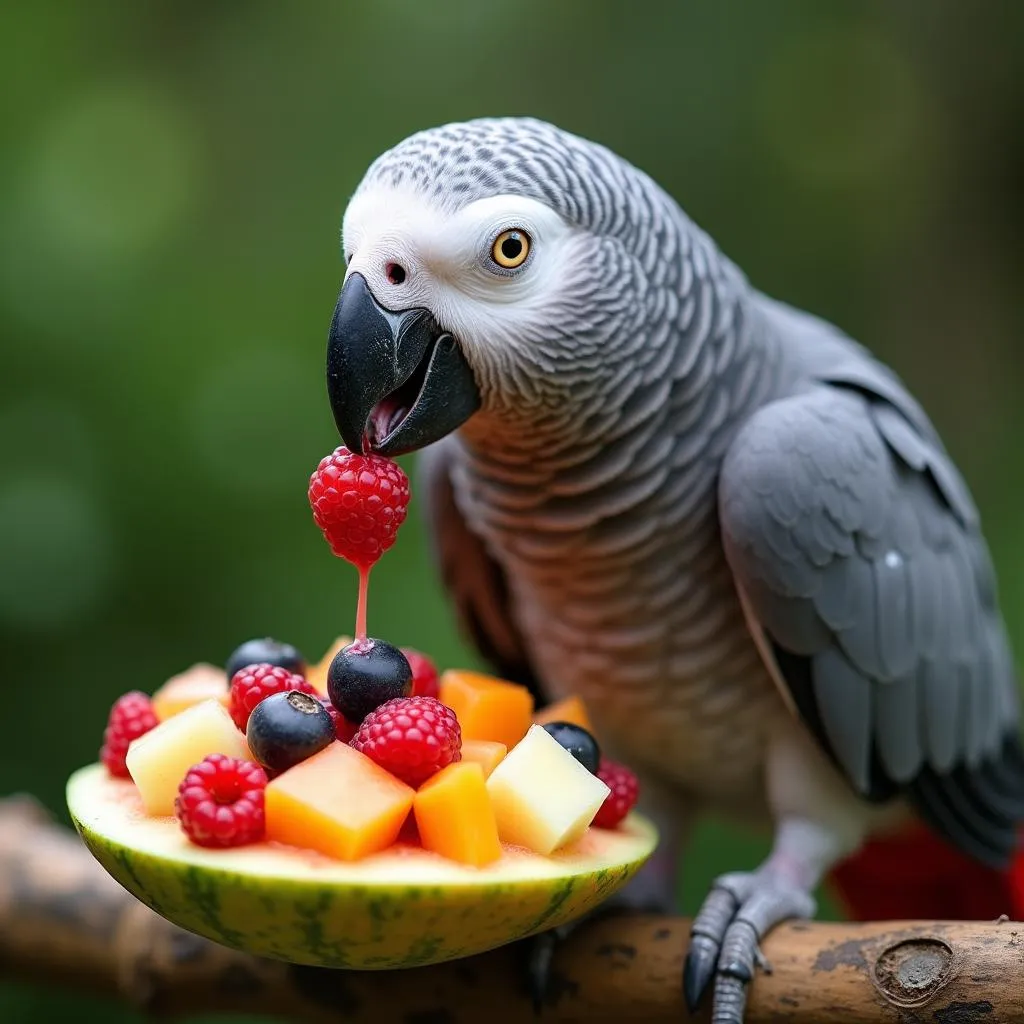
512 247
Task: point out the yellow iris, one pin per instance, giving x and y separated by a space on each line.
511 248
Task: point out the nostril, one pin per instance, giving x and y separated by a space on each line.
395 273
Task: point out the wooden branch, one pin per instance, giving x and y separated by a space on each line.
65 922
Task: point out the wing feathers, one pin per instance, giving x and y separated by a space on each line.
847 723
944 734
942 802
857 546
897 655
897 721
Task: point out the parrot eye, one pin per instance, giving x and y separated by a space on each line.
511 248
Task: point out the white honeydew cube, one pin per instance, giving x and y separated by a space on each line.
158 760
543 798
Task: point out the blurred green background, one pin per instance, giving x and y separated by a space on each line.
171 188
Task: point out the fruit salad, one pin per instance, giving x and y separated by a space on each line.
371 747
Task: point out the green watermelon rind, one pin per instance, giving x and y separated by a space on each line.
393 910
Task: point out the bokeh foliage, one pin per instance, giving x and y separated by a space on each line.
171 187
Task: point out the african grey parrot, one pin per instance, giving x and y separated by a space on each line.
717 518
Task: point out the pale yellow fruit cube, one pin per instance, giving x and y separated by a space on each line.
543 798
158 760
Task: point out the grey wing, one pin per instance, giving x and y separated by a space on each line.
472 579
858 554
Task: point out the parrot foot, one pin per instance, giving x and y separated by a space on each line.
726 934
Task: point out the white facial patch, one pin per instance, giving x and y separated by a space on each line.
447 267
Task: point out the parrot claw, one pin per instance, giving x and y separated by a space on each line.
540 949
706 941
726 935
698 970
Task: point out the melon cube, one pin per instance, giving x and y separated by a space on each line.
454 815
159 759
543 798
316 675
487 708
337 802
485 753
571 709
198 683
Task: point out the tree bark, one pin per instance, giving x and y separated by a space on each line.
65 922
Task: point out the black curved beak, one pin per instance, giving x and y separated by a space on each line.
396 382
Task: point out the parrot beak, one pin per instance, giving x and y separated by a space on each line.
396 382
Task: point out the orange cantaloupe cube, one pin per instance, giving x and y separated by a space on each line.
487 708
569 709
316 674
200 682
454 815
486 753
337 802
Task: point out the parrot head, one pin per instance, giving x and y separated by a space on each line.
487 265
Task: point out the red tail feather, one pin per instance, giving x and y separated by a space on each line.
914 875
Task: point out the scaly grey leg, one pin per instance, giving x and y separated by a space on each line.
742 908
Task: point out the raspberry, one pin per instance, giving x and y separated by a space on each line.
411 737
130 717
359 502
624 792
253 683
424 673
220 801
343 728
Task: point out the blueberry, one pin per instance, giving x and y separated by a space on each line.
364 675
580 743
286 728
268 650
